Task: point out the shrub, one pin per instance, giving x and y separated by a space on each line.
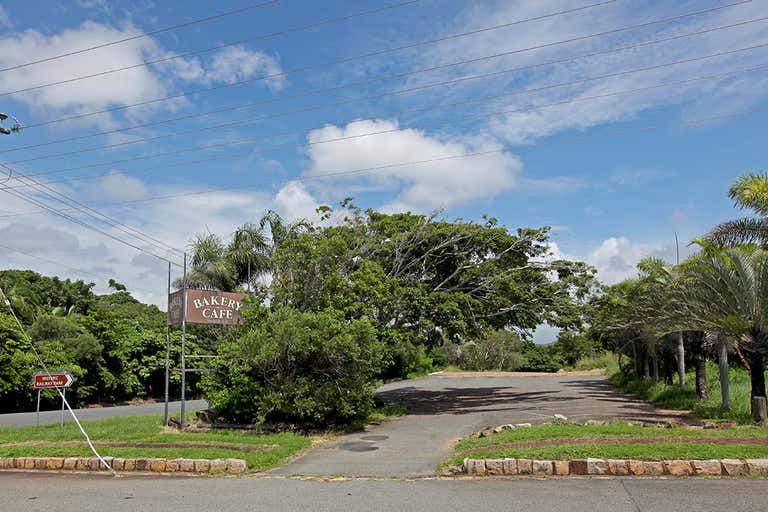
498 350
306 369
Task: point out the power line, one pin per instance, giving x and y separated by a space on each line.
393 130
141 36
40 204
360 56
59 264
95 214
257 186
251 120
262 37
389 76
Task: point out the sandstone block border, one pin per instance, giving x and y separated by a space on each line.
615 467
151 465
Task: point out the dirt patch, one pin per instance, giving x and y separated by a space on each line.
129 444
752 441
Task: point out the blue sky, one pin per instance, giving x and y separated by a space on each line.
612 191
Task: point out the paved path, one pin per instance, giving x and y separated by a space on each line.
24 419
29 492
444 408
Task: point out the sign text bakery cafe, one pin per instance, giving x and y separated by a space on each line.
205 307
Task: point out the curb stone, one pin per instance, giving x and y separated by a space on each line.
156 465
614 467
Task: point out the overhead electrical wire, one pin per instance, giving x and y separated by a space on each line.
75 220
95 214
71 269
258 38
142 35
346 59
252 120
357 136
319 176
388 76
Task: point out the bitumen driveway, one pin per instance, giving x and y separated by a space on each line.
30 492
25 419
444 408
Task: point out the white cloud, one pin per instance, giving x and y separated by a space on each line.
528 127
293 201
422 186
122 88
238 63
5 19
616 258
119 187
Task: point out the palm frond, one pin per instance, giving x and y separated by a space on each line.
739 232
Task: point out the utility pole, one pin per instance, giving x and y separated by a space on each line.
167 349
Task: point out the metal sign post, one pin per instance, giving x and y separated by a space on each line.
46 380
167 350
184 346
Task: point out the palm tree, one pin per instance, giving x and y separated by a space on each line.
658 275
209 270
280 231
728 293
750 191
249 253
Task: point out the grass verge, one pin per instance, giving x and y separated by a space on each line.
617 440
147 430
674 398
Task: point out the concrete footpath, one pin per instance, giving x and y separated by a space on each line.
446 407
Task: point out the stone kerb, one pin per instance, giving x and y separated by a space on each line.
615 467
153 465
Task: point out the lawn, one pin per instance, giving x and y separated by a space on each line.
674 398
618 440
260 451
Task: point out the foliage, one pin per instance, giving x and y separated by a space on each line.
311 369
112 344
498 350
750 191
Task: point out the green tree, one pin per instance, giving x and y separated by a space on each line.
303 368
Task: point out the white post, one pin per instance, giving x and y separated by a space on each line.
38 407
167 348
184 345
63 392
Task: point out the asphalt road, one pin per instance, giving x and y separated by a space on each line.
444 408
24 419
22 492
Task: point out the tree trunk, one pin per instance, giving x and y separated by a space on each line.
725 392
634 358
756 373
700 364
655 366
681 360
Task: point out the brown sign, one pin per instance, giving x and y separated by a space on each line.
52 380
205 307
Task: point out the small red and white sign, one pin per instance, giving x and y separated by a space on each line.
52 380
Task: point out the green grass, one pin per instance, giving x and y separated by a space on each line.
147 429
607 360
584 441
592 432
674 398
660 451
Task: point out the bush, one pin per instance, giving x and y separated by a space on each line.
498 350
305 369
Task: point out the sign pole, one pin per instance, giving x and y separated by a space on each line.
167 349
38 407
63 392
184 344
